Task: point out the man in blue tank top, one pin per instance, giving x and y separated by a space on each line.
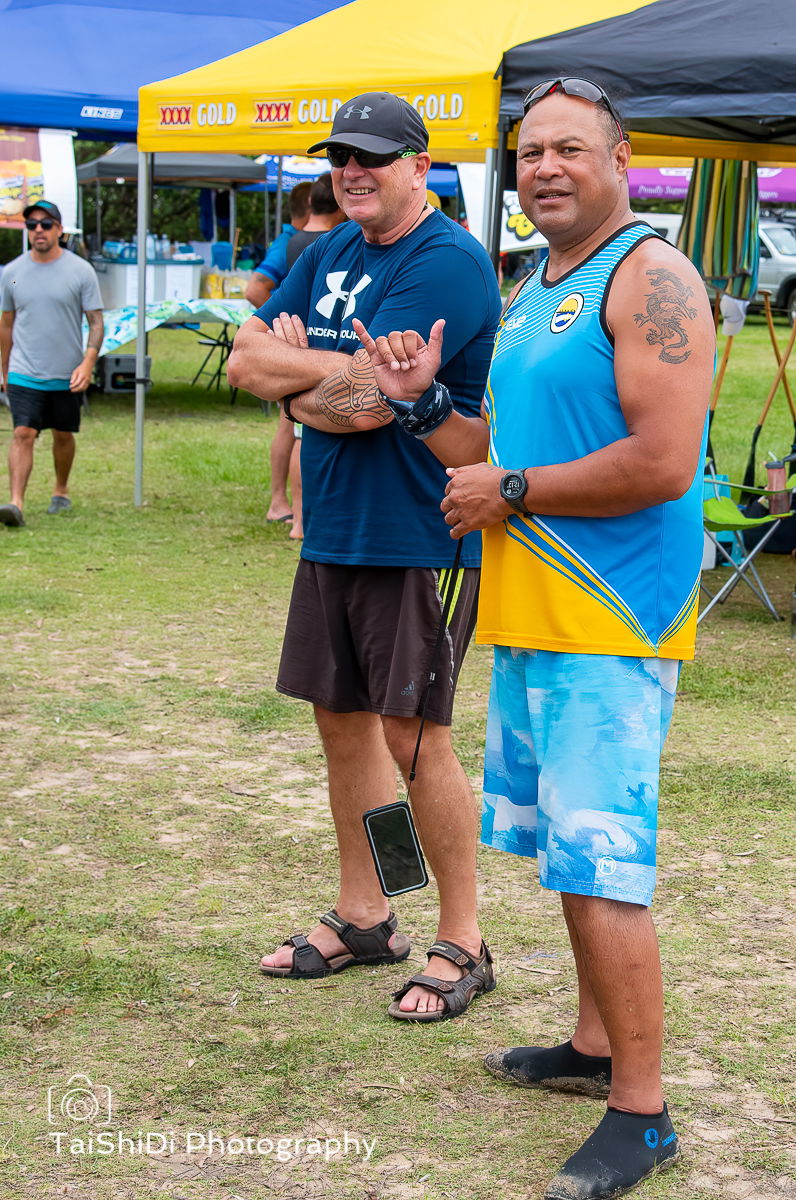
366 603
590 502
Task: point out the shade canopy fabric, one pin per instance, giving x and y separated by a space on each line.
200 169
281 96
719 230
717 70
79 64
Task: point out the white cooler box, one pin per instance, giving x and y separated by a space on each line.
166 280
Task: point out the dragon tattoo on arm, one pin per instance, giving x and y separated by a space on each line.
352 392
667 309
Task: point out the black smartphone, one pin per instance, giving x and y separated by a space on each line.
396 851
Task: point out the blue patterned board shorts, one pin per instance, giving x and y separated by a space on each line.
573 747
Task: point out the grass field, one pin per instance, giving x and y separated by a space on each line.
164 823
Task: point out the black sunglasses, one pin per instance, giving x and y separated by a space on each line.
338 156
45 223
573 87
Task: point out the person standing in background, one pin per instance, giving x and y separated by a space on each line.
43 296
265 279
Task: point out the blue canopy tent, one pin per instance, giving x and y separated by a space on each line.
443 178
78 64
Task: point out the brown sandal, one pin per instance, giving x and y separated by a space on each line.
478 978
366 948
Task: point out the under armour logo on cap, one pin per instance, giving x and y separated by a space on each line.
379 122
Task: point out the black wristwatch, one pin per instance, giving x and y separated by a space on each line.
513 487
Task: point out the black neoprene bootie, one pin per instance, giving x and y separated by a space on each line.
624 1149
562 1068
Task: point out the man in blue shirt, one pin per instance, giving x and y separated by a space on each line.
366 601
265 279
272 270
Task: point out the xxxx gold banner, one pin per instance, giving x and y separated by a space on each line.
288 124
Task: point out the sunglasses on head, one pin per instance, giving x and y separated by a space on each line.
45 223
338 156
573 87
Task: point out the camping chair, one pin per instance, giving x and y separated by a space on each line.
720 514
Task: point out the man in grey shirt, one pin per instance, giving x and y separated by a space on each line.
45 371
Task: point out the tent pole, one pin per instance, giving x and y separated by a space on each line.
489 186
233 216
144 165
278 196
98 196
266 214
497 196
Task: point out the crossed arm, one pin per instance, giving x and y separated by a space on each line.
331 391
339 393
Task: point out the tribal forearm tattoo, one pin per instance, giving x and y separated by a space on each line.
667 308
352 392
96 329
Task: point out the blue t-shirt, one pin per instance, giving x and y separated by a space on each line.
372 499
274 265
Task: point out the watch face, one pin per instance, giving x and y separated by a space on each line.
513 486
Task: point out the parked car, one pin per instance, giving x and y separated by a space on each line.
778 266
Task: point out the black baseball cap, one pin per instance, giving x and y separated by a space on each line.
46 206
376 121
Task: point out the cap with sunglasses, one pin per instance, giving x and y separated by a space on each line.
379 123
583 88
45 206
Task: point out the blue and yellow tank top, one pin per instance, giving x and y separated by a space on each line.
594 585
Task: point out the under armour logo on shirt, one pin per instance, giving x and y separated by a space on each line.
363 112
334 282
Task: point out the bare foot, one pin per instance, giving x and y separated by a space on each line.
296 531
419 999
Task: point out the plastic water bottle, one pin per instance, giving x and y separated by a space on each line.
150 247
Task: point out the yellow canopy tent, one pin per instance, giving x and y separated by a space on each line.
442 56
282 95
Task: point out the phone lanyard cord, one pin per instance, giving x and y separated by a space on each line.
447 605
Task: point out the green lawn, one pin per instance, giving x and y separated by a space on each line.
164 823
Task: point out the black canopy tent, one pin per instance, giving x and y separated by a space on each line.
718 69
191 170
178 169
722 72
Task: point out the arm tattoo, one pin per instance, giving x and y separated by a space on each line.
667 308
96 329
351 391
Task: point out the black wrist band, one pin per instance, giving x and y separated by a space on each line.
426 414
286 405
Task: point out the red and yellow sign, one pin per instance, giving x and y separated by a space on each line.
21 181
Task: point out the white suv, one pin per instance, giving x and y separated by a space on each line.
778 265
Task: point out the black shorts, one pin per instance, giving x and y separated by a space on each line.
39 409
361 639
